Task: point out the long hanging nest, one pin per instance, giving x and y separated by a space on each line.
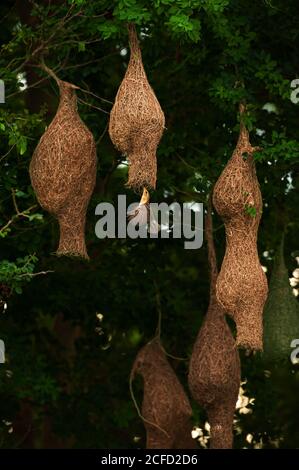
63 170
166 410
281 315
241 285
137 121
214 370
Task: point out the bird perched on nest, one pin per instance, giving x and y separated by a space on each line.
142 214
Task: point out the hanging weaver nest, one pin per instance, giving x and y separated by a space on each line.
166 411
281 315
137 121
241 285
63 171
214 371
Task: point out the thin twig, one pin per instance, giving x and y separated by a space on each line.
175 357
7 153
49 71
41 273
18 212
38 82
193 195
103 133
45 44
93 61
92 106
186 163
138 409
96 96
94 16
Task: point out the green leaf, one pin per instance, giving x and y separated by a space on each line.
81 46
19 193
22 145
250 210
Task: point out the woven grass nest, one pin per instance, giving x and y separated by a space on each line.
63 171
166 410
281 315
241 285
214 370
137 121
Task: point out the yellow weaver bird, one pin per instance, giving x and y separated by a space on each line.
142 214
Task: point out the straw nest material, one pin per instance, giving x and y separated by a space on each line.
137 121
281 315
63 171
214 371
165 410
241 285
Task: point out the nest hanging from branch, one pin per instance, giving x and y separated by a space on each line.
137 121
241 285
214 370
166 410
281 315
63 170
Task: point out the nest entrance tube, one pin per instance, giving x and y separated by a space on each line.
166 410
214 370
72 233
63 171
241 285
137 121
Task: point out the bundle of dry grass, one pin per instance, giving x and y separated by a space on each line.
214 370
241 285
166 411
137 121
63 171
